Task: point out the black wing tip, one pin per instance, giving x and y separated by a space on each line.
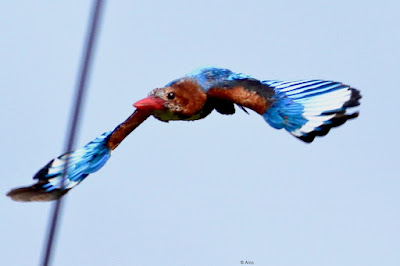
336 121
354 98
339 119
35 193
42 173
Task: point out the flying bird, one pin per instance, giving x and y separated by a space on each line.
304 108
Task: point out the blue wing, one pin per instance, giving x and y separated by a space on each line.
305 108
82 162
309 108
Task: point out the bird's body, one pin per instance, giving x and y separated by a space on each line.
305 108
206 89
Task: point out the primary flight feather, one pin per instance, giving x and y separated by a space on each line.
304 108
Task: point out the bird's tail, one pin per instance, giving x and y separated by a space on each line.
50 184
309 108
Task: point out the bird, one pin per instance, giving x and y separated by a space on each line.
305 108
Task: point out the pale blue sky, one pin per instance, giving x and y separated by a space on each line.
219 190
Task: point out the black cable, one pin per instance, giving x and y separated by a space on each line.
79 97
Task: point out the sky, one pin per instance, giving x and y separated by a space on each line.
217 191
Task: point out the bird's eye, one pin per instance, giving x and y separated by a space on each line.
171 96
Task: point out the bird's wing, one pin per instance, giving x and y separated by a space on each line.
79 164
305 108
248 92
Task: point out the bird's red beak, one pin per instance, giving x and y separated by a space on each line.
150 103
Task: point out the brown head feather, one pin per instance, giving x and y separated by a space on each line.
184 99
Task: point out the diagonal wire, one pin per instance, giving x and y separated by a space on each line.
79 97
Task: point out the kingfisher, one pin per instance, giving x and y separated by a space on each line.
305 108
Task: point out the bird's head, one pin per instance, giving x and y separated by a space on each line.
180 100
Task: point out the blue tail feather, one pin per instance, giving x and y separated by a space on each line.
310 108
